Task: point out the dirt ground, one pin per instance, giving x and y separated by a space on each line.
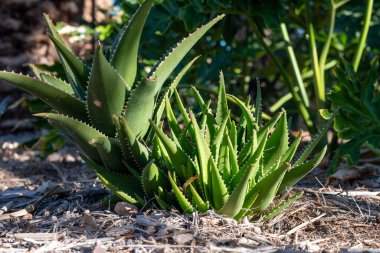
53 205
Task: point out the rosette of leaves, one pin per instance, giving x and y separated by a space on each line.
358 98
102 108
236 167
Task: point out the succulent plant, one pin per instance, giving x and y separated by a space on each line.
234 167
102 108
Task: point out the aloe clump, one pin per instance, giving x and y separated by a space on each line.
103 109
234 167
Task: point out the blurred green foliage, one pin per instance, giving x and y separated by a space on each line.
358 98
234 45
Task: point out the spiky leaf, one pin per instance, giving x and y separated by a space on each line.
140 107
56 98
281 206
72 63
210 176
236 199
152 179
134 148
183 202
81 133
222 109
298 172
110 153
163 69
105 94
124 57
125 187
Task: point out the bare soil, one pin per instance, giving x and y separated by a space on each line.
53 204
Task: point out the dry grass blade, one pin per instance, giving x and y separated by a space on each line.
301 226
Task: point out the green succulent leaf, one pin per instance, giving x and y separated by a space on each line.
134 150
124 56
198 98
281 206
182 200
125 187
182 109
236 200
250 167
77 71
78 82
300 171
58 83
171 89
163 68
313 144
263 192
58 99
233 158
81 133
248 149
105 94
289 153
201 205
216 142
177 156
277 143
75 63
172 121
110 153
152 179
209 175
268 126
140 107
250 121
222 109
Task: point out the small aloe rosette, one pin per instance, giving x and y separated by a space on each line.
236 167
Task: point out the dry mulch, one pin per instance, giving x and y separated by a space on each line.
54 205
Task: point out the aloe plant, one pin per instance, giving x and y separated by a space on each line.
234 167
102 108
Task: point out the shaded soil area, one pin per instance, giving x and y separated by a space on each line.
53 204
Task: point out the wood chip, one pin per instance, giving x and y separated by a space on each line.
36 236
19 213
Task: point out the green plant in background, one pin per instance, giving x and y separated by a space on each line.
3 105
290 45
103 110
234 167
358 98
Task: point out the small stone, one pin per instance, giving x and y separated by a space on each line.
257 230
124 208
54 157
70 158
183 238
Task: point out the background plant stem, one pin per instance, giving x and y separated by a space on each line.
363 37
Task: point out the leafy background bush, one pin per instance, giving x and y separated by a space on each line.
235 47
